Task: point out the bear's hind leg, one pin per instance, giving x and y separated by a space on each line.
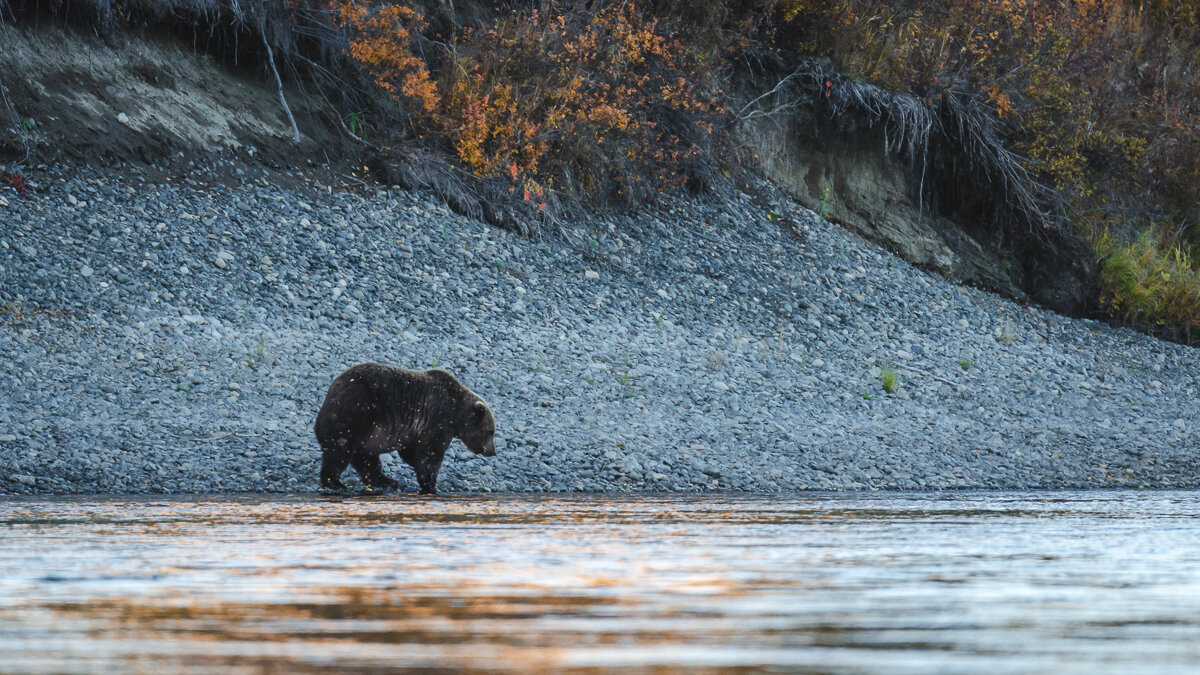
333 463
370 469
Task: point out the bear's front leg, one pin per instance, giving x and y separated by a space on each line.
370 469
427 473
333 463
428 482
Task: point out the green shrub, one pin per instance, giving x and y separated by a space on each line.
1152 283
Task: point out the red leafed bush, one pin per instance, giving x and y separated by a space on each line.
16 181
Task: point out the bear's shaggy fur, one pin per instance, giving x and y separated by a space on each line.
372 409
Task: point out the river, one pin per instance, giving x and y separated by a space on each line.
952 582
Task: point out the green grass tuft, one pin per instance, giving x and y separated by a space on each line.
889 378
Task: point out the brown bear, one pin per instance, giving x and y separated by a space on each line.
372 409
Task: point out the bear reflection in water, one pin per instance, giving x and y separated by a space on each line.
372 409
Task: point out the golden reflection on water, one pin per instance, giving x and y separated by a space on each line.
718 583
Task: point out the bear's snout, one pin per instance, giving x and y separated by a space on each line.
486 448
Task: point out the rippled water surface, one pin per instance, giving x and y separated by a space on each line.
953 582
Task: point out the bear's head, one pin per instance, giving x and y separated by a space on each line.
479 428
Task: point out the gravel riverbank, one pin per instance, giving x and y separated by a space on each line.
178 336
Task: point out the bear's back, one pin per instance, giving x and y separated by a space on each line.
380 384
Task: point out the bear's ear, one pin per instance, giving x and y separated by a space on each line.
479 410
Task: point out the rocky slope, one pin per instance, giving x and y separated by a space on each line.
177 335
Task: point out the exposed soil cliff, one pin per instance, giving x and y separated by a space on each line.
73 95
847 169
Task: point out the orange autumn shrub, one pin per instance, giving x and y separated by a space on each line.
599 103
380 39
603 103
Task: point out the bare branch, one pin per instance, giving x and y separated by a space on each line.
741 114
279 83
